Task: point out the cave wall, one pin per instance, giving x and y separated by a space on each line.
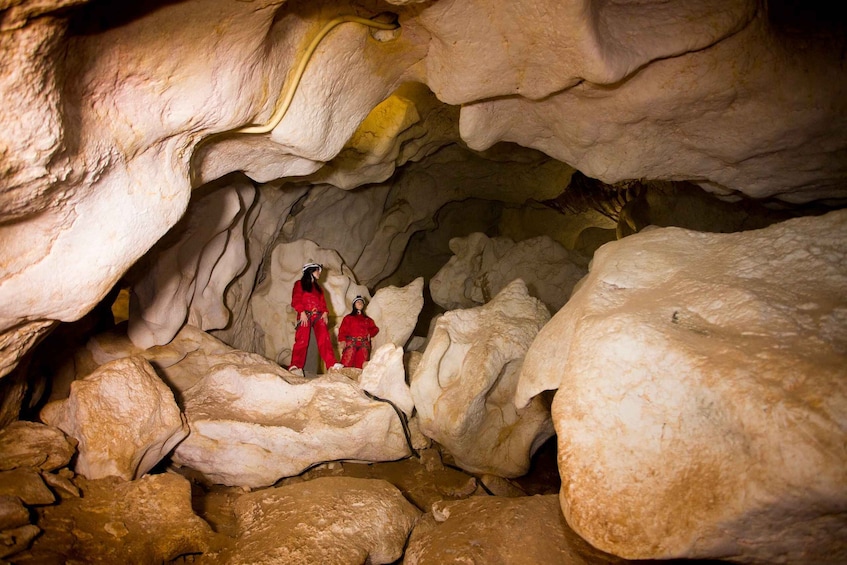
106 109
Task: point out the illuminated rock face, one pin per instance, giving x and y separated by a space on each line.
702 394
327 520
98 411
464 385
252 424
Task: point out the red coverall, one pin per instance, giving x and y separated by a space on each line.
355 333
314 304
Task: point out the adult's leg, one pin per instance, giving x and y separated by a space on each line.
362 354
347 355
324 344
301 345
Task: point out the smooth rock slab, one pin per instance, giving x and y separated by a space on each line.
254 423
337 520
702 402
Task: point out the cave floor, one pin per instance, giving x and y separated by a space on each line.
422 481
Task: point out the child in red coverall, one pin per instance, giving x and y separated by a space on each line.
355 333
307 298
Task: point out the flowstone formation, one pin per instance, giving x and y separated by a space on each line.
702 394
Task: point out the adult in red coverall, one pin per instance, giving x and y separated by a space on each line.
355 334
307 298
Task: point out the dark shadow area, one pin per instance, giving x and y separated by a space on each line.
101 15
808 17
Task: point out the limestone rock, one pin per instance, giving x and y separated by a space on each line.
12 512
681 90
408 125
145 521
703 392
263 225
395 312
465 383
482 266
252 424
420 193
31 444
385 377
17 539
187 272
337 520
26 484
98 412
697 76
180 363
61 483
528 530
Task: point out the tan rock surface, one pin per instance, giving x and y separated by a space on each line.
26 483
465 383
145 521
337 520
254 423
124 418
32 444
529 530
482 266
702 400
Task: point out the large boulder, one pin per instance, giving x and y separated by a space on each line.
253 423
339 520
465 383
124 417
703 394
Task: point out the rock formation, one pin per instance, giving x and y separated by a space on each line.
327 520
125 164
519 531
252 425
123 416
384 376
465 383
482 267
726 96
701 394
